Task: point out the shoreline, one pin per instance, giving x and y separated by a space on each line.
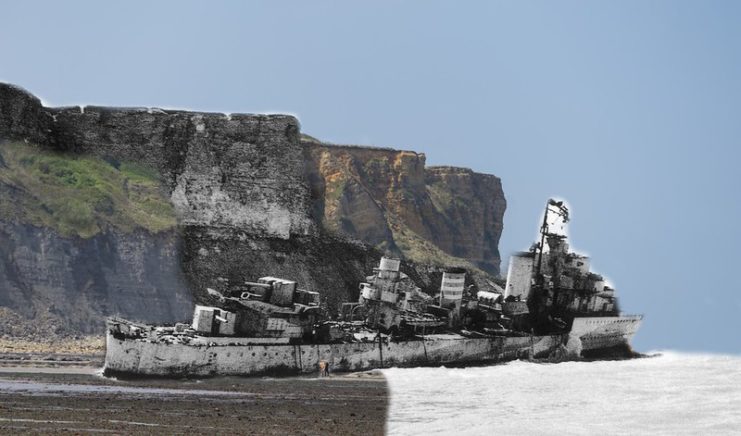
73 400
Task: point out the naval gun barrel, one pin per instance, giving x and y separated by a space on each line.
262 285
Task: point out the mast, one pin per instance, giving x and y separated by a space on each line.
543 231
563 212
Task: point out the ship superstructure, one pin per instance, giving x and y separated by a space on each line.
562 292
552 306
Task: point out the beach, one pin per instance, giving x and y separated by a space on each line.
66 394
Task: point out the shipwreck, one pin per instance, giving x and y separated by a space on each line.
552 307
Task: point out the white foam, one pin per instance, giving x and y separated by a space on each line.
674 393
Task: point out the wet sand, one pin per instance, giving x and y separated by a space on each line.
76 400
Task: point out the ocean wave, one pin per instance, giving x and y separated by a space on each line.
671 393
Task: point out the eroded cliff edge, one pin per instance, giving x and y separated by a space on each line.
172 202
390 199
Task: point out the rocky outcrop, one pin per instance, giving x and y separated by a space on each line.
389 199
249 198
236 170
471 206
23 117
53 285
242 171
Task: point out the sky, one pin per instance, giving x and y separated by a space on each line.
629 110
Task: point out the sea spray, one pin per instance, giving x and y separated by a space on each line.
670 394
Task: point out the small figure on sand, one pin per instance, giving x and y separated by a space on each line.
323 368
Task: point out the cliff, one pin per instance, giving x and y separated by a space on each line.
134 211
389 199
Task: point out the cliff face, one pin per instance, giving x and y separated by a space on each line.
242 171
54 285
389 199
472 208
136 211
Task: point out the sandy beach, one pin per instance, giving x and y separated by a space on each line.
58 396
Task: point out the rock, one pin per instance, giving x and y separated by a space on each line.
375 195
22 116
241 171
67 284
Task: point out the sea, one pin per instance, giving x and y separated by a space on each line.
668 393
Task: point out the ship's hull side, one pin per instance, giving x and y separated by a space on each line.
152 358
204 356
605 332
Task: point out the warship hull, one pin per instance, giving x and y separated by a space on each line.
201 356
605 332
206 356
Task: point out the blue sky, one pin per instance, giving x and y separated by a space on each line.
629 110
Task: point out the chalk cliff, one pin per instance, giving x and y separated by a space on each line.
134 211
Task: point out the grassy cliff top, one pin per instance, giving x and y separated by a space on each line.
79 195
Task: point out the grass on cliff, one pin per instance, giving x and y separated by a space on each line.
79 195
420 250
